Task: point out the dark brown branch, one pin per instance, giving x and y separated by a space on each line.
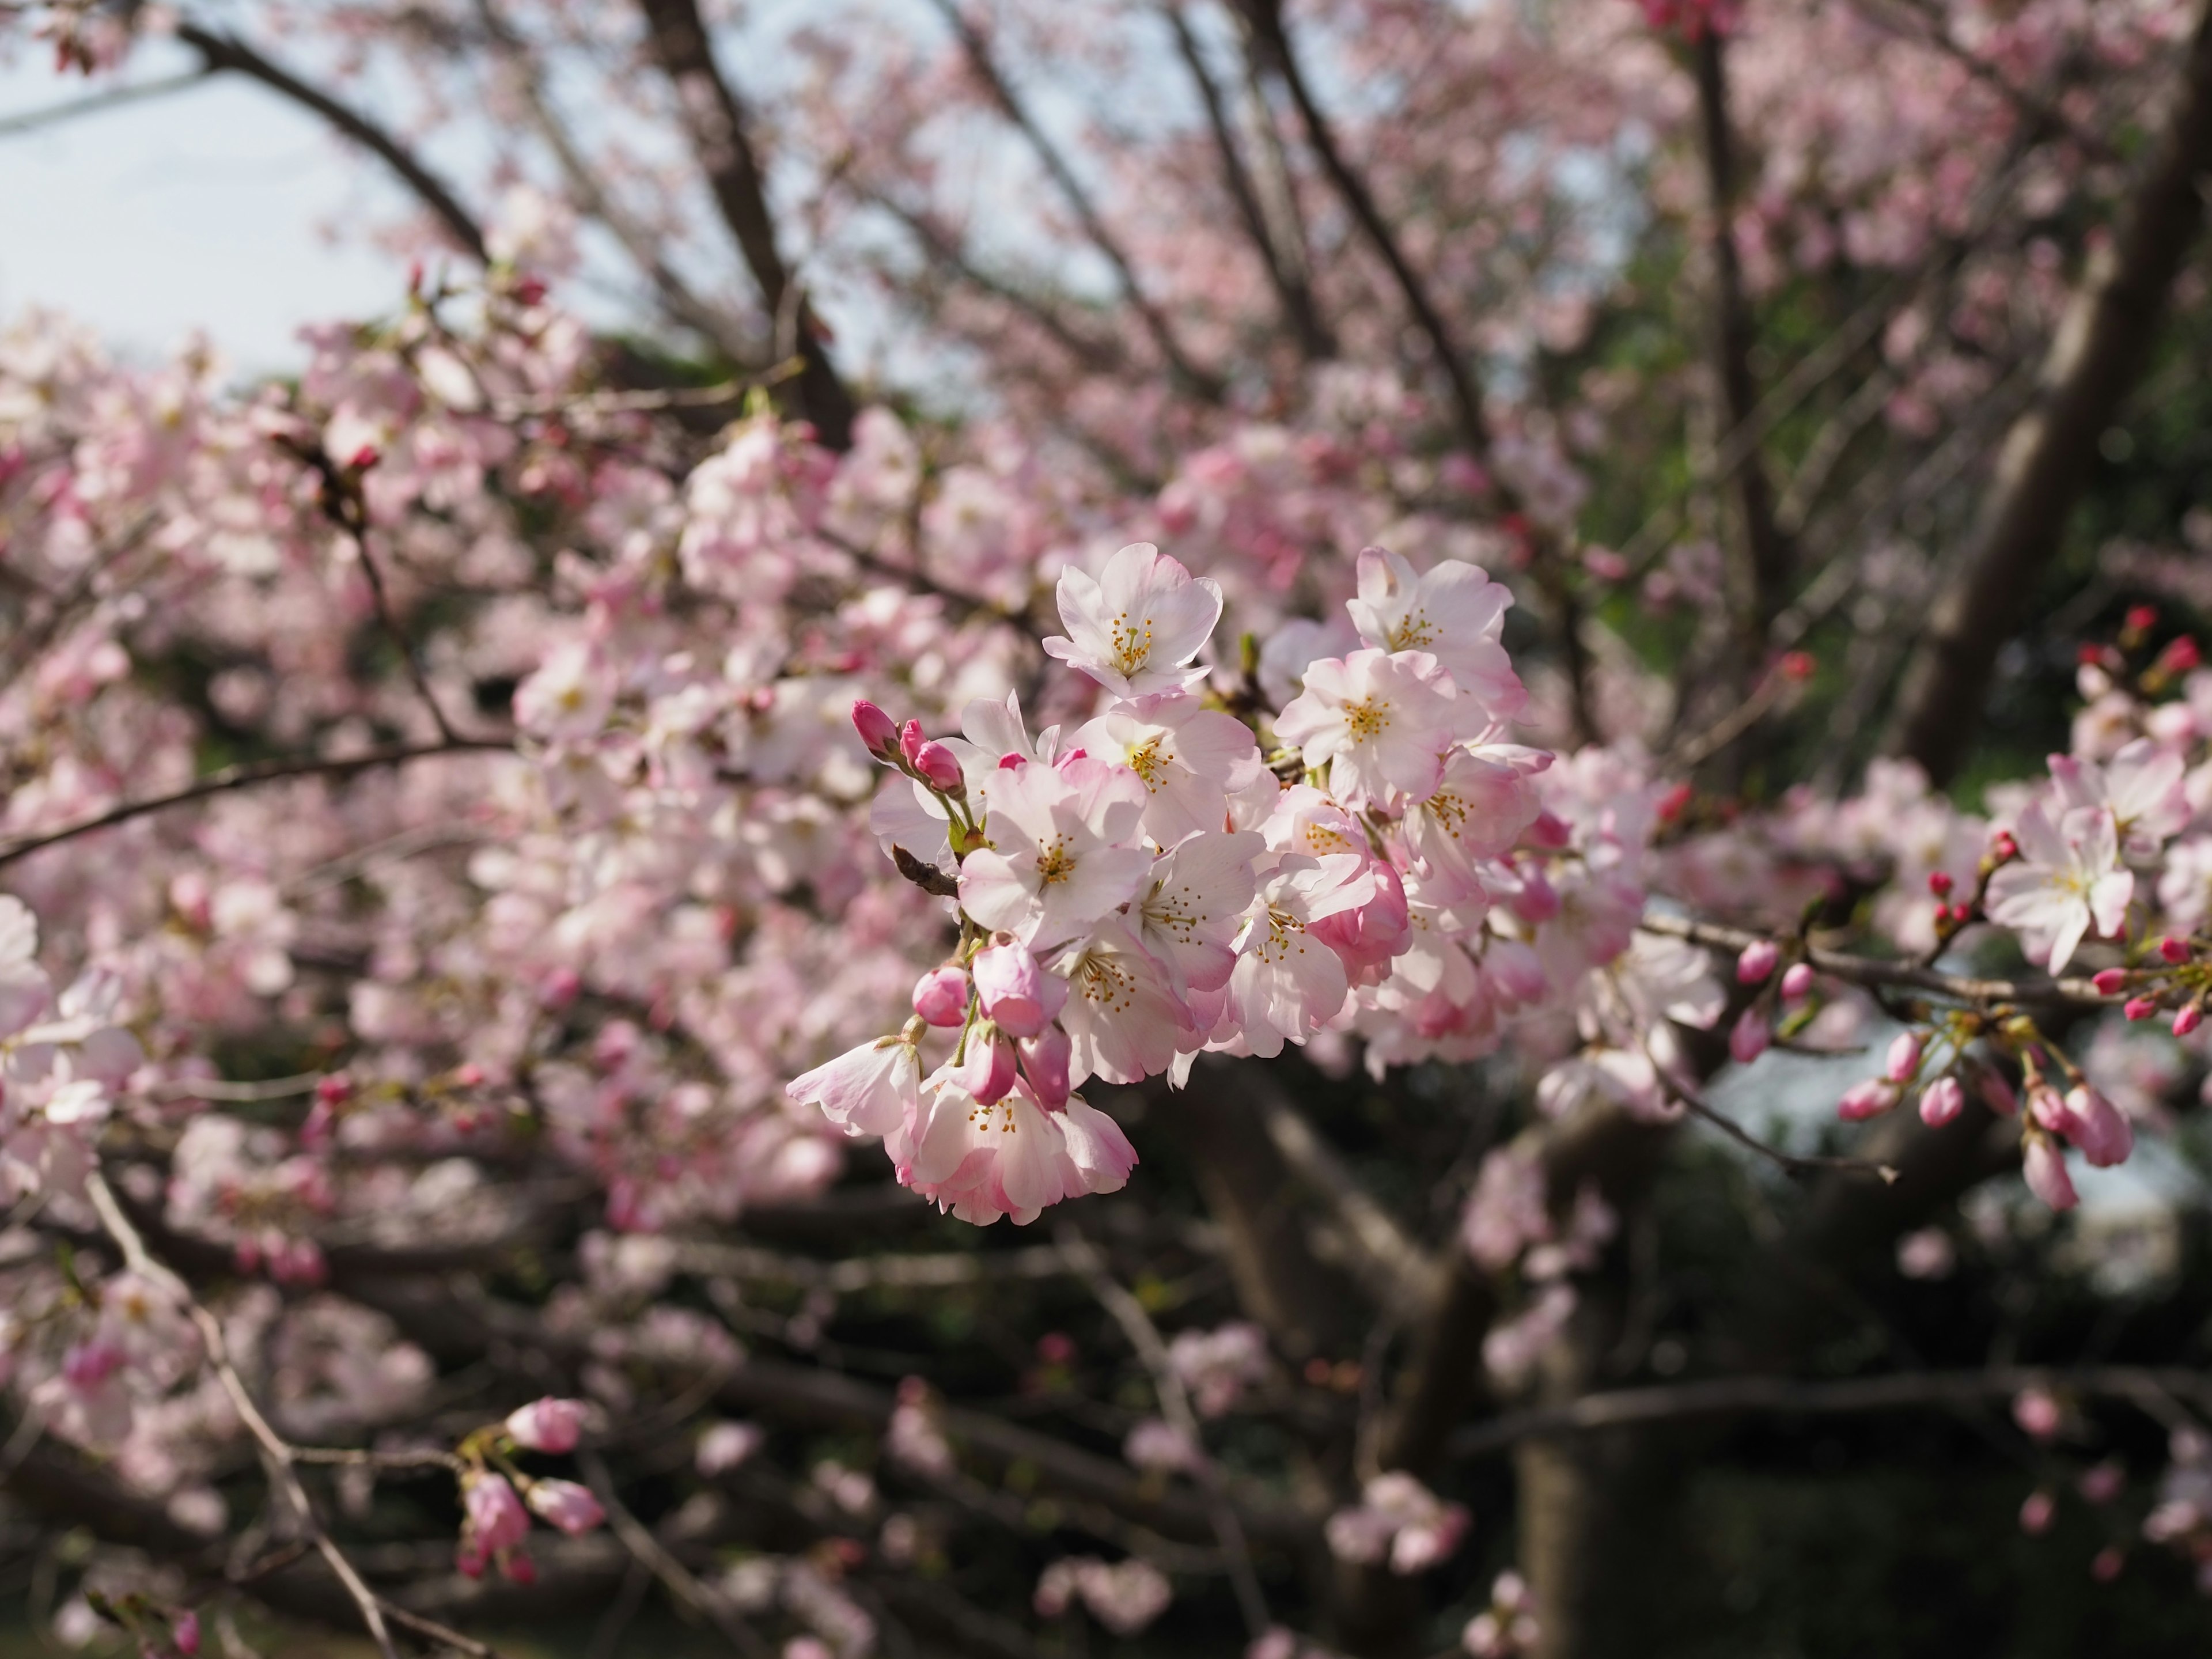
1293 291
223 53
676 299
1873 971
1766 550
1733 1396
2043 469
715 121
1265 18
986 70
244 775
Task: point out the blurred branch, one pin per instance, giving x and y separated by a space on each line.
138 92
676 299
244 775
2043 467
1292 291
714 120
278 1453
1732 1395
1175 1406
1767 552
223 53
986 71
1875 971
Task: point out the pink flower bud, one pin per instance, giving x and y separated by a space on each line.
1997 1092
2110 981
1549 832
1870 1098
2099 1129
2187 1018
1904 1061
938 769
1757 960
1017 993
2037 1413
186 1634
2105 1565
1537 901
547 1426
877 730
1797 981
519 1568
2036 1514
566 1505
2141 1007
2044 1167
2173 950
1045 1060
941 996
987 1071
2102 1483
910 740
494 1518
1944 1100
1748 1040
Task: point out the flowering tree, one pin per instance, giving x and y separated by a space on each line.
1436 660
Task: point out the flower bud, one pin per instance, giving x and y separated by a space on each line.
1870 1098
941 996
938 769
1537 901
566 1505
2110 981
910 740
1942 1101
1939 883
877 730
2173 950
2187 1018
185 1633
1797 981
1017 994
1904 1061
2037 1513
1997 1093
2044 1167
1757 960
1045 1061
2141 1007
986 1070
1549 832
547 1426
2099 1129
1748 1040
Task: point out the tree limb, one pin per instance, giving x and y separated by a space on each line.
715 121
224 52
2043 468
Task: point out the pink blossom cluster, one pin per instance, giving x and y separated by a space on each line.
1151 884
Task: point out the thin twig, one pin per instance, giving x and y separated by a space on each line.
1873 971
1175 1406
678 1579
1727 1395
278 1454
244 775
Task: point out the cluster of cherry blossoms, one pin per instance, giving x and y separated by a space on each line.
1153 884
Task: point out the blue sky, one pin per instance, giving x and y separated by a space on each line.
210 208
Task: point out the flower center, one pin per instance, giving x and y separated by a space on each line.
1367 718
1055 864
1416 633
1133 642
1285 936
1147 762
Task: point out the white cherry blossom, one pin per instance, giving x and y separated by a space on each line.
1136 628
